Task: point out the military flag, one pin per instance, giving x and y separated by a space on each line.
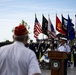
44 25
70 30
59 26
51 30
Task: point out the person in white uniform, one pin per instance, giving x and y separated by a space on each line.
16 59
64 47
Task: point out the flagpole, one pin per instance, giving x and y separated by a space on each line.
43 34
49 37
67 29
75 23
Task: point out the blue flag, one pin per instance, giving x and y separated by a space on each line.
70 30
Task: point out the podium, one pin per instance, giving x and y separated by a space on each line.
57 62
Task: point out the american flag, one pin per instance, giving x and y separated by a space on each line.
37 28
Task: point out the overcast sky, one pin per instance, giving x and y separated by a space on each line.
12 12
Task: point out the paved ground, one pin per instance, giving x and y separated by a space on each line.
70 71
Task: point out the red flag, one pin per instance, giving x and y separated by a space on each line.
37 28
59 26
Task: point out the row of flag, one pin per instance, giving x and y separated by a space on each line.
66 27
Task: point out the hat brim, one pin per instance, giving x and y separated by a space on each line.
63 38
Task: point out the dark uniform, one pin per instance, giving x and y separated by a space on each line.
74 54
42 48
37 49
31 45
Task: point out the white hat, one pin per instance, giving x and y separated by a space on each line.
63 38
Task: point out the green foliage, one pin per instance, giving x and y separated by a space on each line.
25 23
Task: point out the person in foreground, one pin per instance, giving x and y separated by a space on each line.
16 59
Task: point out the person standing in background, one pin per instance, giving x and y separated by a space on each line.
74 53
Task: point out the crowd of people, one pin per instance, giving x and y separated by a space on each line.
41 48
23 58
